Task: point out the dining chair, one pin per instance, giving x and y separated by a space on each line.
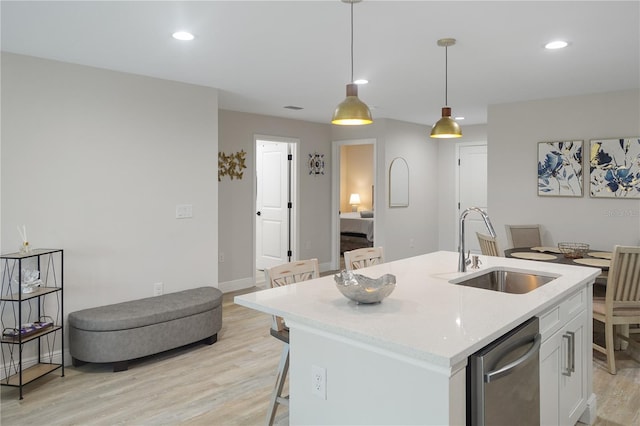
621 303
488 245
524 235
278 276
363 257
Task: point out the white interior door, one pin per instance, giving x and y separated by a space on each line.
272 200
472 192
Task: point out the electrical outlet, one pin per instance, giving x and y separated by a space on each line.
319 382
184 211
220 257
158 289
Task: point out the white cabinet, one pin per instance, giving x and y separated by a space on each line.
565 361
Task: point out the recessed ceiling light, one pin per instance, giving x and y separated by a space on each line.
182 35
361 81
458 118
557 44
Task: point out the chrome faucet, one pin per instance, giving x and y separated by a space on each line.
463 260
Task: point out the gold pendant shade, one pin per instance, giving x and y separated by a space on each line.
446 127
352 111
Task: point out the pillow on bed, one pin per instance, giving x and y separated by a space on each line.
366 214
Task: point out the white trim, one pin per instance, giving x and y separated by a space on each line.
324 267
241 284
335 194
456 199
295 195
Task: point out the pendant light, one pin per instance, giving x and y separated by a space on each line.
446 127
352 111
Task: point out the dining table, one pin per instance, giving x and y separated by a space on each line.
592 258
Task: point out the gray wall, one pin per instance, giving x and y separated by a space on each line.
514 132
95 162
412 230
236 197
403 231
447 178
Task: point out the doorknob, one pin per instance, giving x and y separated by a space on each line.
259 213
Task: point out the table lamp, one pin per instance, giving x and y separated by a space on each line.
354 200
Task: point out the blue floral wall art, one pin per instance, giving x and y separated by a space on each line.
560 168
615 168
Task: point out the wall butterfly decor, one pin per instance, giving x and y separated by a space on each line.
231 165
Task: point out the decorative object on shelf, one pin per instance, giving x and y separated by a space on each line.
446 127
560 168
615 168
25 248
231 165
363 289
399 183
352 111
30 280
316 164
573 250
28 329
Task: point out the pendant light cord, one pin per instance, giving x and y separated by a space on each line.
351 42
446 73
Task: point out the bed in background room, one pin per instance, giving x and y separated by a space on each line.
356 230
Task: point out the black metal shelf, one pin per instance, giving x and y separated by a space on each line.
38 292
18 308
36 335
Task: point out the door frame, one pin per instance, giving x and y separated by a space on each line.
456 231
294 177
335 195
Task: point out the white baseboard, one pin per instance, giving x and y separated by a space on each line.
235 285
590 413
324 267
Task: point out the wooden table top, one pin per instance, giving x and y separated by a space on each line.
559 258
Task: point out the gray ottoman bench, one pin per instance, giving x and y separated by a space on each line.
125 331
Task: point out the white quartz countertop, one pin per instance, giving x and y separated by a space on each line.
426 317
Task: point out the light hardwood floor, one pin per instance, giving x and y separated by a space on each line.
228 383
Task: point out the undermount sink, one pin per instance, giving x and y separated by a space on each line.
506 281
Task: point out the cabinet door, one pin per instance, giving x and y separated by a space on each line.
550 379
573 398
563 387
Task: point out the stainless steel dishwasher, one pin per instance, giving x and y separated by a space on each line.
503 379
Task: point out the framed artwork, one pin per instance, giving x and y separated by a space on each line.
560 168
316 164
615 168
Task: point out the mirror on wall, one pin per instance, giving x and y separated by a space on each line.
398 183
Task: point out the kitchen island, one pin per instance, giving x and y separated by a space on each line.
403 361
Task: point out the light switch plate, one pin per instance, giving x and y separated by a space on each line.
184 211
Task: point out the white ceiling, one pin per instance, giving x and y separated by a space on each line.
263 55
